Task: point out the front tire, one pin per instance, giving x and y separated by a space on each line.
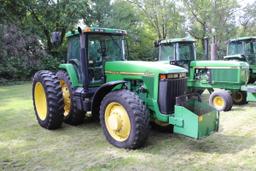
221 100
47 100
124 119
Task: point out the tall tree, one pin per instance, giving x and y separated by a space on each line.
161 15
205 15
140 38
45 17
248 20
101 11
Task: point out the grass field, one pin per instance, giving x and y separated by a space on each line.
24 145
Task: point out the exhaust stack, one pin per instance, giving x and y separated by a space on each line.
206 48
84 60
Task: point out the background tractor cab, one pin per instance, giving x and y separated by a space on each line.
179 51
243 49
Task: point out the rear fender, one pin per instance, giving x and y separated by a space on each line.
71 71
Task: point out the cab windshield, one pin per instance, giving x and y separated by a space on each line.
235 48
186 51
180 51
166 52
246 47
106 47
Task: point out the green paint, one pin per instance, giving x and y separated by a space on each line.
230 75
138 75
177 40
224 74
195 119
245 46
69 68
97 30
250 89
148 73
251 97
242 38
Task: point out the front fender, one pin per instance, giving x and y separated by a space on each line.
101 92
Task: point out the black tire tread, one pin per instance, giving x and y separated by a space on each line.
139 111
76 116
54 97
243 101
226 96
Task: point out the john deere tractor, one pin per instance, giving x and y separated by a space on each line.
124 95
225 75
243 49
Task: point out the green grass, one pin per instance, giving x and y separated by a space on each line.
24 145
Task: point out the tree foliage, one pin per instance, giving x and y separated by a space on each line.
204 16
26 27
162 15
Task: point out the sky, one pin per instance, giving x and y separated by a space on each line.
243 3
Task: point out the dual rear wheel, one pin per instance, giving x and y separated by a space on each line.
53 100
48 100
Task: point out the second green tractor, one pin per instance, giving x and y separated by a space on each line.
228 80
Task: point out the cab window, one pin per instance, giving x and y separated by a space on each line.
166 52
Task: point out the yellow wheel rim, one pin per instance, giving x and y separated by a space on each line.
218 101
117 121
66 97
237 97
40 101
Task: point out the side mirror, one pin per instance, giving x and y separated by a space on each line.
56 38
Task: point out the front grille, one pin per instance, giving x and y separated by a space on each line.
168 90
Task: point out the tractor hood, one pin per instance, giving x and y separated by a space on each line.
220 64
141 68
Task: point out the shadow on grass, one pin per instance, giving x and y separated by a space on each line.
216 143
31 133
224 144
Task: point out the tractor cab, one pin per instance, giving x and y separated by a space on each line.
245 46
243 49
101 45
179 51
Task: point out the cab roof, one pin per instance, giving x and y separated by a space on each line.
177 40
96 30
242 38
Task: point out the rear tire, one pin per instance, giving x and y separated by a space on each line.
72 115
47 100
115 109
221 100
239 97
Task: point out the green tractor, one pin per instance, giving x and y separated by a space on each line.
124 95
225 75
243 49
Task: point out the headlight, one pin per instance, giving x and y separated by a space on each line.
172 76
